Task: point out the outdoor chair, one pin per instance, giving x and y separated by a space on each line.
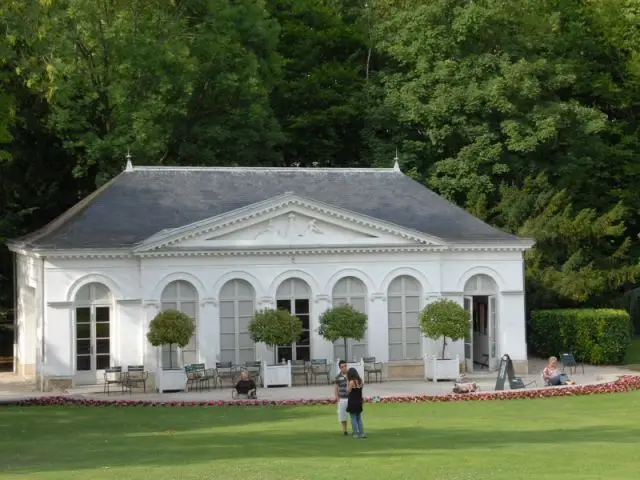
320 368
135 376
254 369
225 370
371 367
113 376
299 369
199 376
517 383
568 360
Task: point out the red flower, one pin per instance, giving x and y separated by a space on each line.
622 384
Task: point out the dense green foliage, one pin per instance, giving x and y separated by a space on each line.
343 322
596 336
444 319
523 112
275 327
171 327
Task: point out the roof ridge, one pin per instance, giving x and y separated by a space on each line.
152 168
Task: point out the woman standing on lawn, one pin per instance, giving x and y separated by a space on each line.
354 403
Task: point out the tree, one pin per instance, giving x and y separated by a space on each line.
275 327
445 318
343 322
171 327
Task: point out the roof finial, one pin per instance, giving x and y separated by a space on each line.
129 167
396 165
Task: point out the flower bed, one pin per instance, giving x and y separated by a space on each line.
622 384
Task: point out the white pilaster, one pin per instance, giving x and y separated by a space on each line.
208 338
511 325
320 348
150 353
378 327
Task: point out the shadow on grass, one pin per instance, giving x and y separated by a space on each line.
50 439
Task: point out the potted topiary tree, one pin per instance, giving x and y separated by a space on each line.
346 323
171 328
275 327
447 320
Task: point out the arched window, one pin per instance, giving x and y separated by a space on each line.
405 336
294 295
237 305
350 291
182 296
92 308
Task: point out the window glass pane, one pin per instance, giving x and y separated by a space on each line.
102 314
227 355
169 306
339 301
83 315
189 308
284 353
83 363
102 330
338 350
411 319
395 304
100 293
340 289
83 347
84 294
305 321
243 324
244 341
227 309
245 308
395 353
102 346
413 351
414 334
247 355
412 303
396 286
228 341
189 357
284 304
103 361
301 307
356 287
227 291
301 289
303 353
395 335
304 338
186 291
395 320
359 303
83 330
170 292
285 290
244 289
227 325
359 351
411 285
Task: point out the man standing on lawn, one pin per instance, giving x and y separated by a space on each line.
341 395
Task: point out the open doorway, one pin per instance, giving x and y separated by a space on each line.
481 352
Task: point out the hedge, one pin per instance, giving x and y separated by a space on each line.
596 336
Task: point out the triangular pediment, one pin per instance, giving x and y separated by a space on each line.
283 222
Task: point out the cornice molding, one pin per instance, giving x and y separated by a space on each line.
129 301
59 304
511 293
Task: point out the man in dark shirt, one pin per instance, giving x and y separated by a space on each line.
341 395
245 388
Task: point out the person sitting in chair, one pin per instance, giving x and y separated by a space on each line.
553 376
245 388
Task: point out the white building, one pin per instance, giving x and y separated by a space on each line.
219 243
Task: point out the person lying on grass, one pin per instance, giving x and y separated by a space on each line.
245 388
553 376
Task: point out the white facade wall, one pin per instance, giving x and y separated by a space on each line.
136 285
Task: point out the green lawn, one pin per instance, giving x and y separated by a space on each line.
590 437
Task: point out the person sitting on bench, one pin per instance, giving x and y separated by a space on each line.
553 376
245 388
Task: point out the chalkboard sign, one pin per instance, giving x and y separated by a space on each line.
503 371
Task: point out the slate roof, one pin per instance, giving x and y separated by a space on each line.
144 200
